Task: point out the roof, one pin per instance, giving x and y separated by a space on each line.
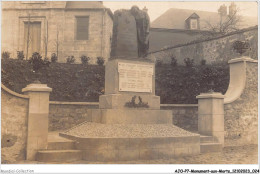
175 19
194 15
84 4
70 5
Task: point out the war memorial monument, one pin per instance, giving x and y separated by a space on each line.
129 124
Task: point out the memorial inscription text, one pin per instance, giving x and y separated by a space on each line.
135 77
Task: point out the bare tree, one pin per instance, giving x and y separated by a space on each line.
46 39
227 23
28 39
57 42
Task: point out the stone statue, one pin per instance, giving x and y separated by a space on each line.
130 34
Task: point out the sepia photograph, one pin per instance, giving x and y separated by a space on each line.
129 82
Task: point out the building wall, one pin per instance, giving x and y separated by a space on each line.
212 50
14 117
90 47
58 23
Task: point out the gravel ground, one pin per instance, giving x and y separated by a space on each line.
128 130
230 155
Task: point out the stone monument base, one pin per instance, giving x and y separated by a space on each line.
118 101
130 116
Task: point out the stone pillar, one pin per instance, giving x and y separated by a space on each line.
37 136
211 115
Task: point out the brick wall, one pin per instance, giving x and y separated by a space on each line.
14 115
212 50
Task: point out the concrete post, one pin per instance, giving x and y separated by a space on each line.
37 136
211 115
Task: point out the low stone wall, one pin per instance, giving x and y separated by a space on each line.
184 115
65 115
14 115
212 50
241 115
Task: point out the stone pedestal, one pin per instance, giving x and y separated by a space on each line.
130 116
118 101
211 115
114 72
127 81
118 92
37 118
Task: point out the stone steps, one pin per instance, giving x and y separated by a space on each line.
207 139
59 155
210 147
59 149
209 144
61 145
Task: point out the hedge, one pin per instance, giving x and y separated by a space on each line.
75 82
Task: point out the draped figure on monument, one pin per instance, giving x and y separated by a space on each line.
142 25
130 34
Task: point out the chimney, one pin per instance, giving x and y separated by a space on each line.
145 9
232 9
222 10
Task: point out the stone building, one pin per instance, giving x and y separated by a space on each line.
67 28
181 26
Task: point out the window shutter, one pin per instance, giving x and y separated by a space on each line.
82 28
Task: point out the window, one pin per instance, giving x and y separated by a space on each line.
193 24
82 23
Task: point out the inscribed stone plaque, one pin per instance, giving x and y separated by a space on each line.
135 77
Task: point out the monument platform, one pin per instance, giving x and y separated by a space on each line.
119 142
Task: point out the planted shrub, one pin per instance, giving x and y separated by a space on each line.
20 55
70 59
203 62
173 61
54 57
100 61
5 55
36 61
46 61
189 62
158 63
84 59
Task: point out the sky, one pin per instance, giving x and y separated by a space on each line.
155 9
